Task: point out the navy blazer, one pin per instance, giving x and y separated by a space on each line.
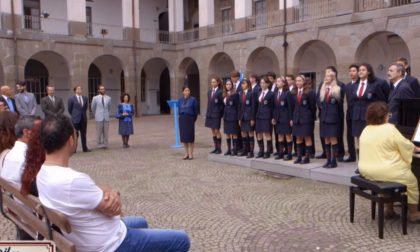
350 96
385 87
283 107
414 84
247 108
76 111
331 111
373 92
402 91
305 112
266 106
231 108
215 105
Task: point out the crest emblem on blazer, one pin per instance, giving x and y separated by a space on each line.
265 102
282 103
216 100
231 103
333 100
369 96
247 102
304 102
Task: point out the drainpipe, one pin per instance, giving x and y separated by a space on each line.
15 47
133 34
285 44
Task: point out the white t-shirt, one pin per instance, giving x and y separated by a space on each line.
14 163
76 195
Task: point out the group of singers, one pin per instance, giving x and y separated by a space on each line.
288 105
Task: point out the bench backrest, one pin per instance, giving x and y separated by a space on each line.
21 215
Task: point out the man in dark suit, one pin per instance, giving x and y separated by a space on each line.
402 90
77 107
51 104
6 97
350 87
414 83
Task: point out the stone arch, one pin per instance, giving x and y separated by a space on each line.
262 60
312 58
221 64
105 70
381 49
190 75
47 68
155 86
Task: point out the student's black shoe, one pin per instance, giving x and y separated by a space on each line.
287 157
321 156
298 160
349 160
260 155
305 161
228 153
266 155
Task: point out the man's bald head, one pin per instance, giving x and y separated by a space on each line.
6 90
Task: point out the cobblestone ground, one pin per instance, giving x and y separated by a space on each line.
229 208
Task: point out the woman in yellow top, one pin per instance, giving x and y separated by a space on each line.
385 155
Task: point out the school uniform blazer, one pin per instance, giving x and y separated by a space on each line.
283 107
305 112
385 87
50 108
247 108
373 92
331 111
265 107
230 113
350 98
215 105
414 84
402 91
76 111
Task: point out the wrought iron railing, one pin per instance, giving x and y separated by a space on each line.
367 5
310 10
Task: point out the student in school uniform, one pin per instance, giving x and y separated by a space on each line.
330 102
304 114
263 117
255 87
246 117
354 80
272 78
214 113
368 90
230 117
235 77
282 119
290 78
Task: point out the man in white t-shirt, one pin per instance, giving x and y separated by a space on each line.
93 212
14 161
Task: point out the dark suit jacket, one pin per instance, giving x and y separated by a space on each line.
402 91
230 113
13 102
76 111
414 84
50 108
215 105
385 87
373 92
266 106
331 111
350 98
305 112
247 108
283 107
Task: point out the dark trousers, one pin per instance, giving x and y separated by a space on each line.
82 127
350 139
340 140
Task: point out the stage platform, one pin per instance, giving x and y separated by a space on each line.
314 170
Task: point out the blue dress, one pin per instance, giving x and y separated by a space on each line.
125 126
188 112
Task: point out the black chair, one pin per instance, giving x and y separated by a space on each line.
381 193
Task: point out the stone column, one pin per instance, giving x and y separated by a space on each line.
205 16
243 9
176 15
127 19
76 15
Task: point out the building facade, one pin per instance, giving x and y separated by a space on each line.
150 49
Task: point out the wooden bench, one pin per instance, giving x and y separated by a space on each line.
381 193
39 221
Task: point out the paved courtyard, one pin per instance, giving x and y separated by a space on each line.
229 208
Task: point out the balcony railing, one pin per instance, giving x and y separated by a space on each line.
46 25
262 21
310 10
32 23
187 35
367 5
221 29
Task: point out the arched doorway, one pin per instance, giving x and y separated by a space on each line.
188 70
261 61
47 68
312 58
106 70
221 65
381 49
155 87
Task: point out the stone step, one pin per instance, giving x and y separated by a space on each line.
314 170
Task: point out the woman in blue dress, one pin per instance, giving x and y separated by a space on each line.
188 111
125 116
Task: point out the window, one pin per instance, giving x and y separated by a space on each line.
89 20
31 12
260 11
227 20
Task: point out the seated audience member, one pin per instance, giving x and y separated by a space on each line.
14 162
7 130
385 155
93 212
